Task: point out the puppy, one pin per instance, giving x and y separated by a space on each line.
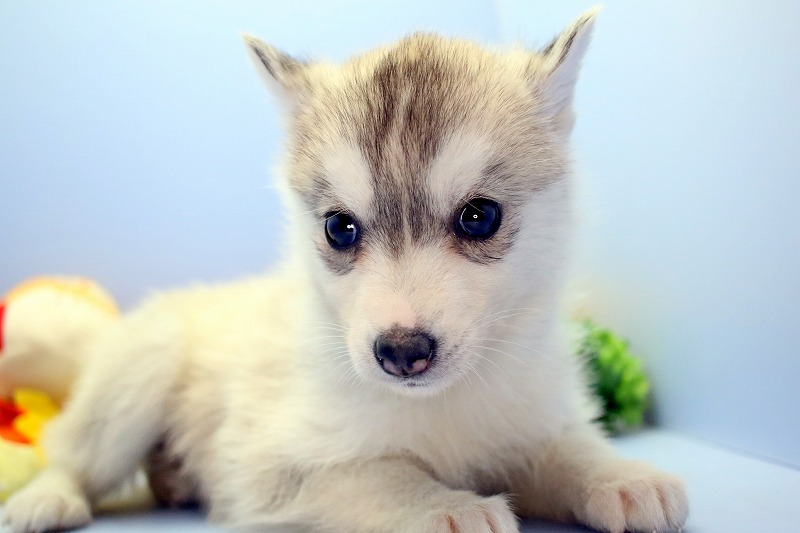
404 371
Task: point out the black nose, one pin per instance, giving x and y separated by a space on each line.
404 352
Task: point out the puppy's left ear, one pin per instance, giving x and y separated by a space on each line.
286 77
561 62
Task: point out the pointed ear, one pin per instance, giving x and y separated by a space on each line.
285 76
562 61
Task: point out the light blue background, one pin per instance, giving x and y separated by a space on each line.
136 143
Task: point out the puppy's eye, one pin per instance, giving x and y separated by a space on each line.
341 230
479 219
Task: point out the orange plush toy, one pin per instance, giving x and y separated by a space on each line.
46 327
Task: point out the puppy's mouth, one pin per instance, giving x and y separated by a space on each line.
417 383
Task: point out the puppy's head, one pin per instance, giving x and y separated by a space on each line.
432 178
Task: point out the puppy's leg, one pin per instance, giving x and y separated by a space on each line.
580 477
109 424
383 494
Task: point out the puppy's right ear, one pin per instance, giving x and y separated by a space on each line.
286 77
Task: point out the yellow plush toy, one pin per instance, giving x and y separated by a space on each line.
21 424
46 328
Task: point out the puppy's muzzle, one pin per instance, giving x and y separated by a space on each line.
404 352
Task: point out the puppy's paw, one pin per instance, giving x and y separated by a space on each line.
633 496
473 514
37 510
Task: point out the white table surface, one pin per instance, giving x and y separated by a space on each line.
728 492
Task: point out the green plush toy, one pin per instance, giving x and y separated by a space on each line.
616 376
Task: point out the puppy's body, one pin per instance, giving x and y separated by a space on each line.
239 419
273 394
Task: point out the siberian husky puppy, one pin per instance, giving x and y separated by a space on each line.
405 370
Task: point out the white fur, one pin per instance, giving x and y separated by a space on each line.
269 392
348 171
457 170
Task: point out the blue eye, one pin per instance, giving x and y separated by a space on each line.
341 230
479 219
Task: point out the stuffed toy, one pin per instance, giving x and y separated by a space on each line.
46 326
21 422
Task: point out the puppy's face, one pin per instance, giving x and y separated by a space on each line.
432 181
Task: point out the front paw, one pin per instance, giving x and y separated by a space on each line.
38 512
472 514
51 502
633 496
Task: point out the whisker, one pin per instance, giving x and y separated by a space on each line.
512 315
520 361
338 330
511 342
527 308
352 379
520 327
328 343
486 368
330 352
347 370
337 349
305 213
463 377
338 357
477 374
484 358
323 337
333 353
333 215
513 309
337 326
334 344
